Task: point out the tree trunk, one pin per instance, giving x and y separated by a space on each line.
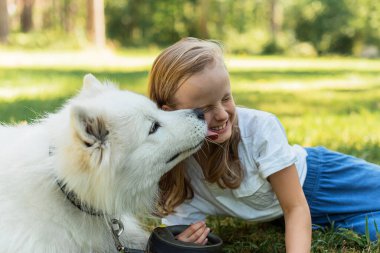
4 22
96 31
26 18
275 18
68 15
204 9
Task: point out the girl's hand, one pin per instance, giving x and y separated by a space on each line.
196 233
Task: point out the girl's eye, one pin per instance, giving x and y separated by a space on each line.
154 127
206 109
226 98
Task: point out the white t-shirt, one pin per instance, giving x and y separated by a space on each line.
263 150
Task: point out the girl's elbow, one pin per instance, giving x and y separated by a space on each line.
301 209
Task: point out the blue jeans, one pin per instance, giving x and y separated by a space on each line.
342 189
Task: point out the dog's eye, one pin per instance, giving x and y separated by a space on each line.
154 127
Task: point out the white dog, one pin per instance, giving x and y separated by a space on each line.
100 157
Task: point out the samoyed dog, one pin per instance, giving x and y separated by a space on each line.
69 181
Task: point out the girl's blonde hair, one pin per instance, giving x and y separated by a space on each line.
169 71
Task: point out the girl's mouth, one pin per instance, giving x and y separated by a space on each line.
214 132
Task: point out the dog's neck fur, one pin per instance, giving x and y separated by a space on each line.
73 197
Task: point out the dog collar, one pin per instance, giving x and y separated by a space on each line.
73 198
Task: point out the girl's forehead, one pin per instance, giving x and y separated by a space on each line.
204 88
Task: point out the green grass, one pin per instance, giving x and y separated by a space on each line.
26 93
333 102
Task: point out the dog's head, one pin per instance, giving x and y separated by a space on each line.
119 144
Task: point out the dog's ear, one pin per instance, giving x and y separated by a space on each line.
91 85
89 128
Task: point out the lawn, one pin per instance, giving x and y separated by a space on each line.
333 102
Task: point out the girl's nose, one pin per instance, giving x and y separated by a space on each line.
220 113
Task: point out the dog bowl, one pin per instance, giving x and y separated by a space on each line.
162 240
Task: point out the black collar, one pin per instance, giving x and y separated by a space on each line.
73 198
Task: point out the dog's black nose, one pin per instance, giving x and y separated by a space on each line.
199 113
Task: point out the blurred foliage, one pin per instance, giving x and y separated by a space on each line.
329 26
336 26
240 24
293 27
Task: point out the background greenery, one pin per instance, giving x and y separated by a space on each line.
291 27
258 27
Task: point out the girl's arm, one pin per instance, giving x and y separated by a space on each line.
286 185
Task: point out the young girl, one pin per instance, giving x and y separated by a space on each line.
246 168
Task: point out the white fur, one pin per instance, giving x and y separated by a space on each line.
101 148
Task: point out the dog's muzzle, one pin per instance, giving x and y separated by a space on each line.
162 240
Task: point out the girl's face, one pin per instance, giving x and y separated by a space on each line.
210 91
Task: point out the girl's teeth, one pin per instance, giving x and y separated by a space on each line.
218 128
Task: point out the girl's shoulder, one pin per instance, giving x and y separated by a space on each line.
252 121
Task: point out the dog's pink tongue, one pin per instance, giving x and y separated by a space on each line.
212 135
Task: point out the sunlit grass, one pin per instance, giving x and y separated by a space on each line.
334 102
279 63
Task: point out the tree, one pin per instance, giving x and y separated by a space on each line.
203 16
68 15
26 18
4 23
275 19
275 23
96 31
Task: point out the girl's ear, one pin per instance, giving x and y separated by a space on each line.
166 108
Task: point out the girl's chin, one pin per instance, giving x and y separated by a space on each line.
224 136
221 140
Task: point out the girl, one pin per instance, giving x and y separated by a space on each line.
247 169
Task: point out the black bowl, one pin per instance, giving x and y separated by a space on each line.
162 240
